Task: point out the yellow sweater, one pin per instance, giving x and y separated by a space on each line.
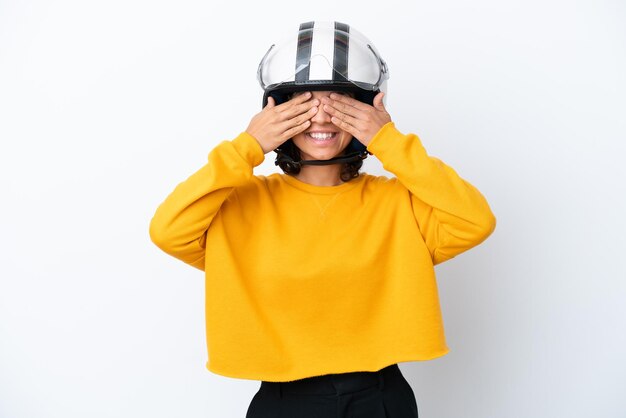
306 280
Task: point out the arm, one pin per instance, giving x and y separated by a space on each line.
180 224
181 221
451 213
453 216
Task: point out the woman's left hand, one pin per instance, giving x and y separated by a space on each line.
359 119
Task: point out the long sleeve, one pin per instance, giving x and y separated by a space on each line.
180 223
452 215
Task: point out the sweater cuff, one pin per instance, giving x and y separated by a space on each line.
389 144
385 138
248 147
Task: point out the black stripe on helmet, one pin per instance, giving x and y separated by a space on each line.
340 58
303 54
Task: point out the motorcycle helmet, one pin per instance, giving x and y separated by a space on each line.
323 56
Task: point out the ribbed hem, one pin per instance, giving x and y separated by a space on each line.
271 376
380 141
249 148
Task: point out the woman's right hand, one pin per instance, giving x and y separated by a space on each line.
276 124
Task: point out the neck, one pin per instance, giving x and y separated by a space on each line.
320 175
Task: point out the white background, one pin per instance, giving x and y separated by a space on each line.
106 106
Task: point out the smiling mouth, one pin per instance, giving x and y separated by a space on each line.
321 136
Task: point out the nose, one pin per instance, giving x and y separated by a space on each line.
321 116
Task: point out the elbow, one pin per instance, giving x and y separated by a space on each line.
169 240
158 235
477 231
485 228
490 224
463 240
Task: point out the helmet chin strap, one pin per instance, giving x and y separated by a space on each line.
348 158
354 156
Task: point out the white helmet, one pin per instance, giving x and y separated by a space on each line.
323 56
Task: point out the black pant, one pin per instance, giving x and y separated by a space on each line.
381 394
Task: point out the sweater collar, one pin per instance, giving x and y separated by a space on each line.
310 188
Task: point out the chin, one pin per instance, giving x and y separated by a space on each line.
319 155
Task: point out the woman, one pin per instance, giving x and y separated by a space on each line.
320 280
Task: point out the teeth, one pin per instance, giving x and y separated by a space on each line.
321 135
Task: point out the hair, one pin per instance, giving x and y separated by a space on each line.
349 170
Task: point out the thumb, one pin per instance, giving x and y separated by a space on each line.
270 102
378 101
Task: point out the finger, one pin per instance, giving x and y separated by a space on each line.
297 99
305 116
343 121
270 102
343 125
289 133
378 101
299 109
347 100
297 120
354 121
345 108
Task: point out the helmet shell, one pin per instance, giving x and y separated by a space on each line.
323 56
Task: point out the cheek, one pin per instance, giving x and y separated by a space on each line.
298 138
345 139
